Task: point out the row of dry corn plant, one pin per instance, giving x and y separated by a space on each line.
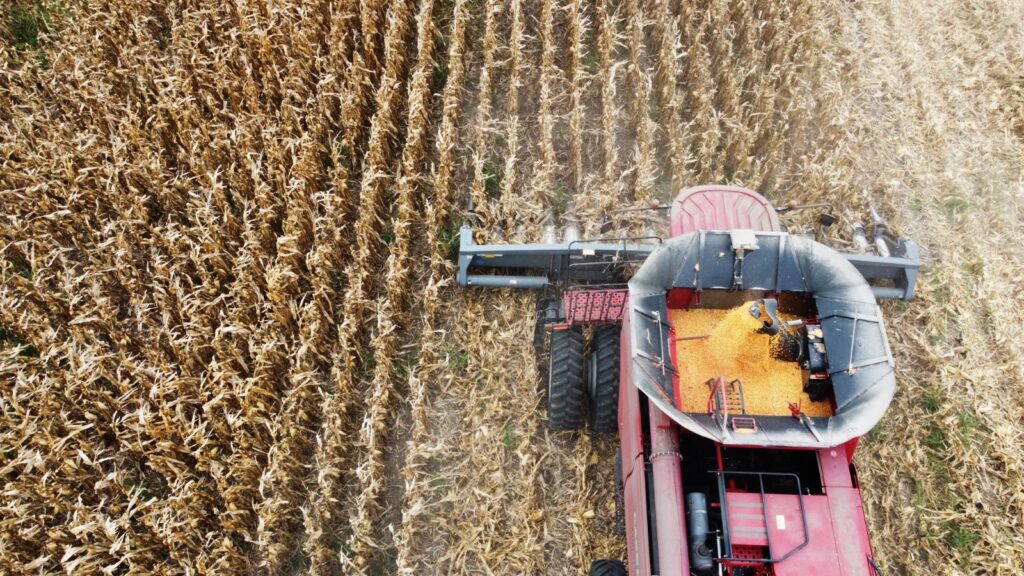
483 175
545 176
578 24
226 307
178 243
510 181
408 537
363 282
335 210
667 74
607 40
644 169
584 88
391 313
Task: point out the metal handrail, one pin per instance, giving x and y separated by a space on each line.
577 248
718 404
664 357
613 239
605 286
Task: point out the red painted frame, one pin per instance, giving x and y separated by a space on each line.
587 306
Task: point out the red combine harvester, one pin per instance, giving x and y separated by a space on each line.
740 366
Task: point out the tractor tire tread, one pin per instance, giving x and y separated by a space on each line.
566 386
607 568
604 407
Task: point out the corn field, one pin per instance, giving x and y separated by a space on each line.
230 340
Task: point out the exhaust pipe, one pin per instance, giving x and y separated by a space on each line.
697 532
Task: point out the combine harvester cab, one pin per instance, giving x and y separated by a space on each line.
748 365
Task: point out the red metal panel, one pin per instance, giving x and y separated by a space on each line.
631 432
838 534
682 297
718 207
631 440
851 531
638 543
594 306
851 447
819 556
835 468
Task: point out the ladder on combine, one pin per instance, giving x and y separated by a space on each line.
726 405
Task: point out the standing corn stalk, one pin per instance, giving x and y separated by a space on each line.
362 22
303 298
577 108
358 100
335 208
740 142
543 189
701 91
585 146
232 344
760 88
337 69
667 74
373 206
645 164
437 211
356 30
509 174
390 307
726 103
483 175
607 40
281 481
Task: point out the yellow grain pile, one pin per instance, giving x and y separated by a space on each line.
734 350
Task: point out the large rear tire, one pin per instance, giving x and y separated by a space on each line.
607 568
566 389
603 381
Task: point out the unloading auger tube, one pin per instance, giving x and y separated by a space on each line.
859 359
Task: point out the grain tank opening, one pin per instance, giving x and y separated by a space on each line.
764 371
707 310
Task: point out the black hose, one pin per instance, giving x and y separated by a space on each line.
871 560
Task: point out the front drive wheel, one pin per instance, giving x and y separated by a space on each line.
566 389
607 568
603 380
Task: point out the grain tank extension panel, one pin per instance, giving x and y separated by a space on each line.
859 360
